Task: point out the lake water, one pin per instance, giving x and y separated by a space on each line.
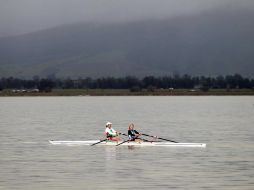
28 161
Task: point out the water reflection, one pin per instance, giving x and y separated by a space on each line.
131 147
110 153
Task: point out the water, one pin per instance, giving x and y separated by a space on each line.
28 161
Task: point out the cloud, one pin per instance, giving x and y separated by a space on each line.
24 16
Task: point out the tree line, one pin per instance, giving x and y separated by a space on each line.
132 83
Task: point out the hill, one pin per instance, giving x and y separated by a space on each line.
211 43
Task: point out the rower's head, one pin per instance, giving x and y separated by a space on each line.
108 124
131 126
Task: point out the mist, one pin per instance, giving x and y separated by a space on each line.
25 16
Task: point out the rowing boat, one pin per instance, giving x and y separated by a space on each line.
131 143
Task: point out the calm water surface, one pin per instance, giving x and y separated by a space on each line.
28 161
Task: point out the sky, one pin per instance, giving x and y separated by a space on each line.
25 16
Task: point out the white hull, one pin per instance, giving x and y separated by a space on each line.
161 144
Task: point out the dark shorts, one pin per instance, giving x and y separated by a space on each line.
132 139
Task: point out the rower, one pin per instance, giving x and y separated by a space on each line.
133 134
111 134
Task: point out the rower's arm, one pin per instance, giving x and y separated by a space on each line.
129 134
111 133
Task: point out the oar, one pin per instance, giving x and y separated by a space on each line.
122 142
99 142
136 138
129 140
159 138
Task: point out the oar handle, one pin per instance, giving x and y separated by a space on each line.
159 138
126 141
136 138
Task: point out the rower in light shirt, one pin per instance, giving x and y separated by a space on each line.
111 134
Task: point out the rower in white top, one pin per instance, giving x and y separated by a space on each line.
111 134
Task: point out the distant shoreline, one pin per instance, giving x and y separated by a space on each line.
127 92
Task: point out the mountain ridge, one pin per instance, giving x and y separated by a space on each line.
211 43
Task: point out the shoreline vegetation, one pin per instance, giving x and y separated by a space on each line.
175 85
127 92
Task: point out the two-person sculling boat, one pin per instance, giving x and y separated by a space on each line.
113 139
113 135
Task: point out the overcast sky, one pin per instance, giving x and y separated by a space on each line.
24 16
